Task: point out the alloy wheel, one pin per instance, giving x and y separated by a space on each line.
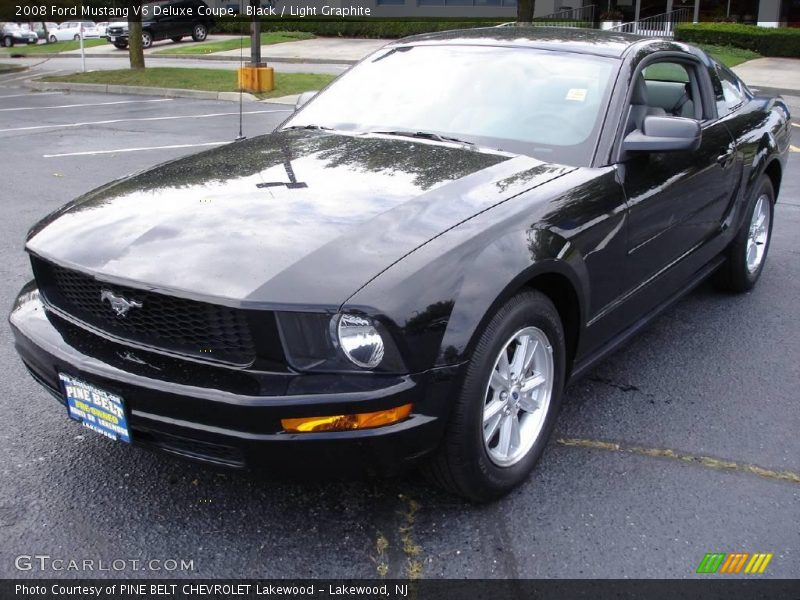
758 233
518 396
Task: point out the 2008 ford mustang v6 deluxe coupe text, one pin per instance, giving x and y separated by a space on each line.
414 264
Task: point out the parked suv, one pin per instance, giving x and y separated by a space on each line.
173 20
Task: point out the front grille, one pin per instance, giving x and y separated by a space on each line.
176 325
115 30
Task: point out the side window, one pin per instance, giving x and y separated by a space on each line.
732 94
671 87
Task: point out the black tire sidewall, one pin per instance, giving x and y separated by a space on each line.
526 310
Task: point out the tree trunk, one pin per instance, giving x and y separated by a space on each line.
525 11
135 50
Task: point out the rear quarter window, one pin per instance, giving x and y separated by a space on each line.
731 93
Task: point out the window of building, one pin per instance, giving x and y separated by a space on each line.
466 2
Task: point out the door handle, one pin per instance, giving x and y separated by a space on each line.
725 159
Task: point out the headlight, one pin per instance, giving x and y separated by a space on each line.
334 343
359 340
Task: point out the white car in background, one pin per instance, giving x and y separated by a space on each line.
71 30
101 29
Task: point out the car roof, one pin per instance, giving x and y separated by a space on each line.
564 39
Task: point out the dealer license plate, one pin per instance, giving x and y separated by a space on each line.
100 411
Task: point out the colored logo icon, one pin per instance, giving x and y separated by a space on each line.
737 562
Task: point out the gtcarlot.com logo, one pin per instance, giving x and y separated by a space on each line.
45 562
737 562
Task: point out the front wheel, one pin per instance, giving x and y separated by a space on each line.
747 253
199 32
147 39
508 402
8 41
77 37
53 39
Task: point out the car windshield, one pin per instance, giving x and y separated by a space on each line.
542 103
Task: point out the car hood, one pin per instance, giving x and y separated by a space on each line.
295 218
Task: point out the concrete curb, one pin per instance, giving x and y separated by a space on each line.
14 69
267 59
209 57
62 86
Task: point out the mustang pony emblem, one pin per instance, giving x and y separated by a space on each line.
119 305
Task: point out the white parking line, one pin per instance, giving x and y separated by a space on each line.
32 94
93 152
110 121
89 104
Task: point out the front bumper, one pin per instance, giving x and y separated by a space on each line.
231 417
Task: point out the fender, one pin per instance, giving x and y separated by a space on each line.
507 265
439 297
766 142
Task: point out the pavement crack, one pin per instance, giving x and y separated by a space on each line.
395 552
625 387
411 550
703 461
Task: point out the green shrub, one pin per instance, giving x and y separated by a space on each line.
764 40
367 28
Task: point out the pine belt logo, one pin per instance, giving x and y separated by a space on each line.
737 562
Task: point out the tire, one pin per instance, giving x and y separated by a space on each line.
177 39
8 42
77 37
53 39
147 39
747 253
120 45
467 465
199 32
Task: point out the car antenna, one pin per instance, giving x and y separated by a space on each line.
241 135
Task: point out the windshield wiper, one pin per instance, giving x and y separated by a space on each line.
425 135
322 127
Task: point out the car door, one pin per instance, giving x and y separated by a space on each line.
64 32
677 199
169 24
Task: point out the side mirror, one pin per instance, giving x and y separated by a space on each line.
305 97
664 134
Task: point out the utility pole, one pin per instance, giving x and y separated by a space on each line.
256 76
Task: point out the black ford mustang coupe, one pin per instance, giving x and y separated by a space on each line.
412 267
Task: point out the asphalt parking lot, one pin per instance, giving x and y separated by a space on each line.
650 469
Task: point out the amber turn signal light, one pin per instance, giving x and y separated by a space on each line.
344 422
